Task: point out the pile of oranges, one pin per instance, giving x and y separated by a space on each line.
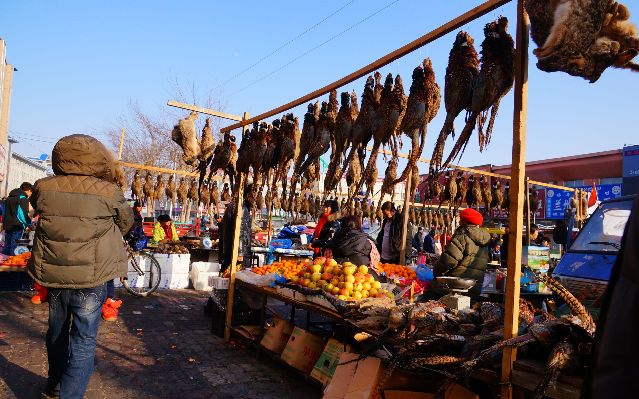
17 260
397 271
286 267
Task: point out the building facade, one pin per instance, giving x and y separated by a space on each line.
6 79
24 169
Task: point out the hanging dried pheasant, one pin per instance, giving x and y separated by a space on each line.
461 73
185 136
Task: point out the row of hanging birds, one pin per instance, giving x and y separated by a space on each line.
472 84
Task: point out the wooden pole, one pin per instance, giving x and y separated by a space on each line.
121 144
528 211
234 252
515 212
203 110
433 35
405 218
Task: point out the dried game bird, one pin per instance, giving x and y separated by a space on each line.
158 189
366 208
434 186
429 218
505 204
361 129
224 158
494 80
215 196
389 177
288 148
353 175
461 73
182 192
450 191
307 138
342 132
333 110
277 204
193 194
119 177
185 136
318 207
371 181
207 144
259 151
385 125
498 196
486 193
259 201
473 194
312 175
582 37
147 188
422 217
284 203
462 188
423 104
170 190
205 197
353 113
322 140
226 193
246 149
415 180
136 186
271 155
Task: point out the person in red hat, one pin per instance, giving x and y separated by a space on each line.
466 255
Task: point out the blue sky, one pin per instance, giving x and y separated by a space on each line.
81 64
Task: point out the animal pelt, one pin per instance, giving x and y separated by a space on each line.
185 136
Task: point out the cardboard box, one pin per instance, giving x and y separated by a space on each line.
329 359
355 380
343 376
302 350
410 385
276 337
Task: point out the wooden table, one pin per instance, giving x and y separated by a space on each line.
13 268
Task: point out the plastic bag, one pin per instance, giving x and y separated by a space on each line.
424 273
255 279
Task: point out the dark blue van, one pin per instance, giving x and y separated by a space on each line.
585 268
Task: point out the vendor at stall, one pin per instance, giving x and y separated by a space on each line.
390 236
326 226
351 244
466 255
164 230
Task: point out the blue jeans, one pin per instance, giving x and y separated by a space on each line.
10 238
74 316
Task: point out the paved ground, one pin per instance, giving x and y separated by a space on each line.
160 347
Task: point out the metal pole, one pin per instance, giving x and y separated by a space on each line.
6 183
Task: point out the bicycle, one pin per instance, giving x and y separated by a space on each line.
144 271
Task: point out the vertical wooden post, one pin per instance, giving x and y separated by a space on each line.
236 240
528 211
407 202
511 317
121 144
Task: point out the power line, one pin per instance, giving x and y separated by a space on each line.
315 48
242 72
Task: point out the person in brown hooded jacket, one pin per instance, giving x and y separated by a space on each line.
77 248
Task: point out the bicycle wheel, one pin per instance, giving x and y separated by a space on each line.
143 274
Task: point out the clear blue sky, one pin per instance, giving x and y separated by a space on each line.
81 64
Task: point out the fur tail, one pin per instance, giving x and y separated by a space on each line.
369 168
416 152
438 151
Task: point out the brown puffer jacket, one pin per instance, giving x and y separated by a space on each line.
466 255
83 215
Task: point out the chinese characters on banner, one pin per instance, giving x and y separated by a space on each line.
557 201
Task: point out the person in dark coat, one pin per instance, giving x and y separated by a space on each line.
429 242
466 255
15 218
350 243
389 239
418 239
614 361
326 227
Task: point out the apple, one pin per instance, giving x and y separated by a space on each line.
329 287
316 277
365 294
359 277
366 286
312 285
342 278
358 287
316 268
390 295
342 298
369 278
350 279
331 262
343 291
376 284
335 281
319 261
327 276
347 264
373 292
307 275
294 279
327 269
363 269
306 282
337 270
348 286
357 295
341 284
335 291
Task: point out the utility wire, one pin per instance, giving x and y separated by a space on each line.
315 48
242 72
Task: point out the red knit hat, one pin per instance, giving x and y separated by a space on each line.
471 216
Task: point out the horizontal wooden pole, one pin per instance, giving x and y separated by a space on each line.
163 170
433 35
203 110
